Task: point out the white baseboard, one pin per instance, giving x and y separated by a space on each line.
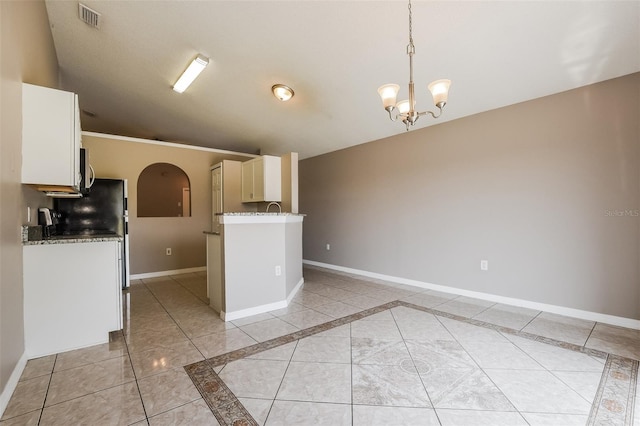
167 273
295 290
560 310
5 396
242 313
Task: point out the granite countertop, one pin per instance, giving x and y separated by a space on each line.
256 218
71 239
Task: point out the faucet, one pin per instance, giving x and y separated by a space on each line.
277 204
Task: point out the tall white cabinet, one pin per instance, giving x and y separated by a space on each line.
225 190
51 136
216 197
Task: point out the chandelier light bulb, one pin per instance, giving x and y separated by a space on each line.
403 106
388 93
440 91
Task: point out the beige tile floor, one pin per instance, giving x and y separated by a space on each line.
457 373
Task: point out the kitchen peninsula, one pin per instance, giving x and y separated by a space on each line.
254 263
254 259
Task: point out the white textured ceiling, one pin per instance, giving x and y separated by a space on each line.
334 54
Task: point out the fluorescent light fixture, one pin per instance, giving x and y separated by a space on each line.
190 74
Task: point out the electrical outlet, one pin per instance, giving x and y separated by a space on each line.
328 246
484 265
168 251
278 271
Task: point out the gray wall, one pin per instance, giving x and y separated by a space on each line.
547 191
26 54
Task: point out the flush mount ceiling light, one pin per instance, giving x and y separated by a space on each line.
282 92
406 109
190 74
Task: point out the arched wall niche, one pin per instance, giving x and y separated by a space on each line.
164 190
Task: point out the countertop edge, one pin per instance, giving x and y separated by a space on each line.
78 240
265 219
260 214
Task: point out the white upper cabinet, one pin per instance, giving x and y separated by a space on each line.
261 179
50 136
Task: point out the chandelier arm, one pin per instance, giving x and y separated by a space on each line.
391 117
431 113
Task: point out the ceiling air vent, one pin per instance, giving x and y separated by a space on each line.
89 16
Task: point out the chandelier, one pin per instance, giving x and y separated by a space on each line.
406 109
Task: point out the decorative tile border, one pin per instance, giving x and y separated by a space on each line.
619 378
613 404
297 335
223 403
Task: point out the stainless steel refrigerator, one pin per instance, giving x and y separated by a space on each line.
103 211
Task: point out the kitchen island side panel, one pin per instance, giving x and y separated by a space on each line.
252 251
215 272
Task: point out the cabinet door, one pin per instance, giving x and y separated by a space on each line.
258 179
247 181
50 136
232 186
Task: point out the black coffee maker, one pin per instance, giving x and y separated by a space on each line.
49 220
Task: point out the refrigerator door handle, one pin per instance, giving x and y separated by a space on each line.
92 179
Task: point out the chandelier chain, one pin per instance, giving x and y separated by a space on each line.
410 26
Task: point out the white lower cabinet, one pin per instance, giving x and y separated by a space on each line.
72 295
